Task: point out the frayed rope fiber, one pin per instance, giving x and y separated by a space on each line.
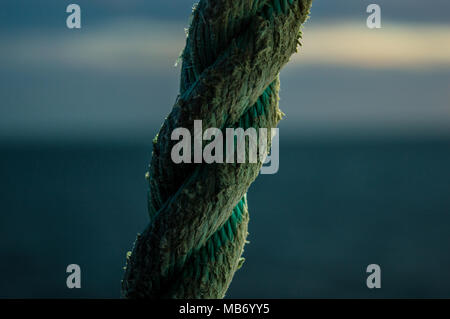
198 212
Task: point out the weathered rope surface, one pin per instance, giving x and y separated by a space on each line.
199 216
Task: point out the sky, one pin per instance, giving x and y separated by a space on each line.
116 77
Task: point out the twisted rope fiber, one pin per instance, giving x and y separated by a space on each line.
198 212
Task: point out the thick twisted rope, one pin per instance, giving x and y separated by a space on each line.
199 216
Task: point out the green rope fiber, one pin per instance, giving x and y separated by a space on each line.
198 212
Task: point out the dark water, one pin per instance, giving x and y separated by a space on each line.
333 209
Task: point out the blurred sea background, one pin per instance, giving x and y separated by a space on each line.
364 149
